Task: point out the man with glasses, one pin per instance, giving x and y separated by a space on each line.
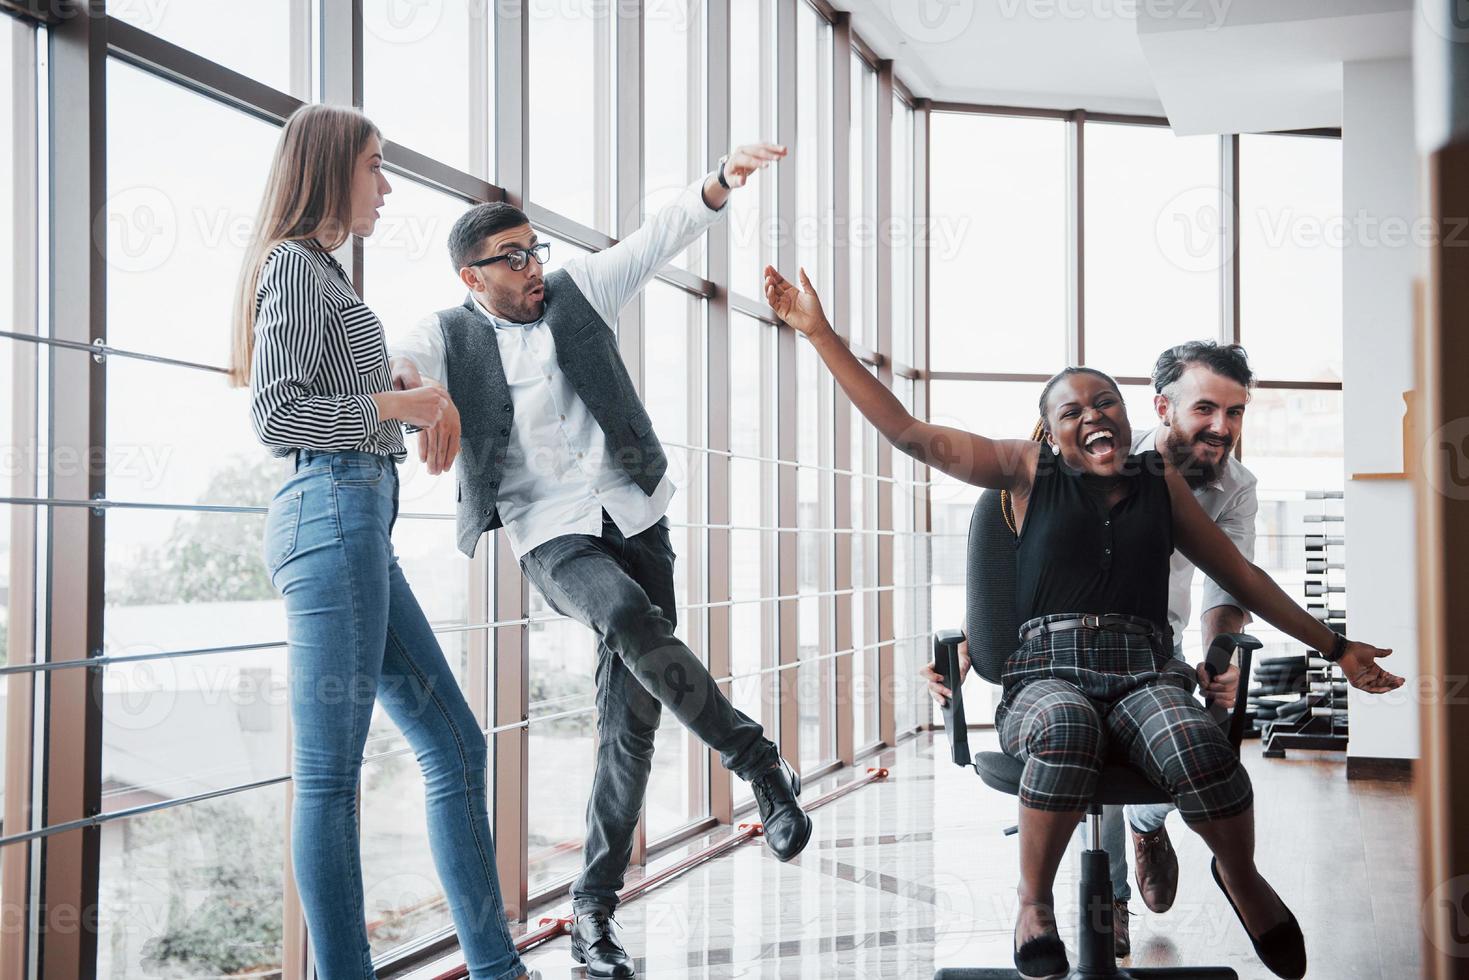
554 444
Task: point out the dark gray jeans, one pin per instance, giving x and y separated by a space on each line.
622 588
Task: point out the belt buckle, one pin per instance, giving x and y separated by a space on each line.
1091 621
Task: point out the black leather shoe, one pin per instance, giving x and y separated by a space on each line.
1042 957
1282 949
787 828
595 942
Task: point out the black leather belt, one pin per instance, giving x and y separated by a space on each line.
1091 621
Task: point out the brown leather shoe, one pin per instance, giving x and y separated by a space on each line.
1157 868
1121 935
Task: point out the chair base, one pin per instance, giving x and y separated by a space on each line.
1139 973
1095 958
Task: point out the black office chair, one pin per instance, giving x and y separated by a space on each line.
993 634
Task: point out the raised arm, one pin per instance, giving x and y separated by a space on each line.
1005 464
612 276
1201 540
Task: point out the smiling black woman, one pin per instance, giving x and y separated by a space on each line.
1096 528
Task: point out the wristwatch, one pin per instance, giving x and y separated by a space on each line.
722 182
1338 648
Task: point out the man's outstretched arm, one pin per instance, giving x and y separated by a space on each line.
611 277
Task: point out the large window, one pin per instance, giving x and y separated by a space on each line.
675 384
264 45
862 218
183 172
813 150
428 78
17 313
752 518
1291 229
997 246
572 106
673 108
900 233
752 218
1153 245
193 765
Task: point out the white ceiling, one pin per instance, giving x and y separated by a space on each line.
1208 65
1059 54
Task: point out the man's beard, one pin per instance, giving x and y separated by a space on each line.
513 306
1196 471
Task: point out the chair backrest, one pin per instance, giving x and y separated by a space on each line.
990 620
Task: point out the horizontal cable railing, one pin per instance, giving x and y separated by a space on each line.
147 808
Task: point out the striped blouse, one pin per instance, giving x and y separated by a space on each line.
319 354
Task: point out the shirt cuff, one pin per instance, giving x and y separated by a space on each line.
704 213
370 420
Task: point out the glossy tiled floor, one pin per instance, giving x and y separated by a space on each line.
913 872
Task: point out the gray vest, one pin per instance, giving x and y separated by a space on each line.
586 350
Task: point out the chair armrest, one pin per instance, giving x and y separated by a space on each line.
946 660
1221 651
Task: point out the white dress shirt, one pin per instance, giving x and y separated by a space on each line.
1232 503
557 477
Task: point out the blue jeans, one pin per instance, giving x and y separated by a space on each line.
1146 817
356 635
622 589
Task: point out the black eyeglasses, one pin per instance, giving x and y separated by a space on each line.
518 258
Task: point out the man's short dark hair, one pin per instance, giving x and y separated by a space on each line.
479 223
1226 360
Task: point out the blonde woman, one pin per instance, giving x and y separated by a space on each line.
316 363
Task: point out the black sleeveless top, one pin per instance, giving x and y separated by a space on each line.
1073 556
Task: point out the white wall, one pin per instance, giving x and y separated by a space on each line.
1380 205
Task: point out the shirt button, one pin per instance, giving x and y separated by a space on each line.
1107 523
578 455
563 418
504 432
1108 550
548 377
507 406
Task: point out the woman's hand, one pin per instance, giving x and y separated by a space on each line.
422 406
1359 664
801 308
930 673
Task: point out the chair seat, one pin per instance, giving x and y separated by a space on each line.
1118 784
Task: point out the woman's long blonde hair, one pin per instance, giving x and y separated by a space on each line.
308 197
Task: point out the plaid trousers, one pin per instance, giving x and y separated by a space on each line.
1076 699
